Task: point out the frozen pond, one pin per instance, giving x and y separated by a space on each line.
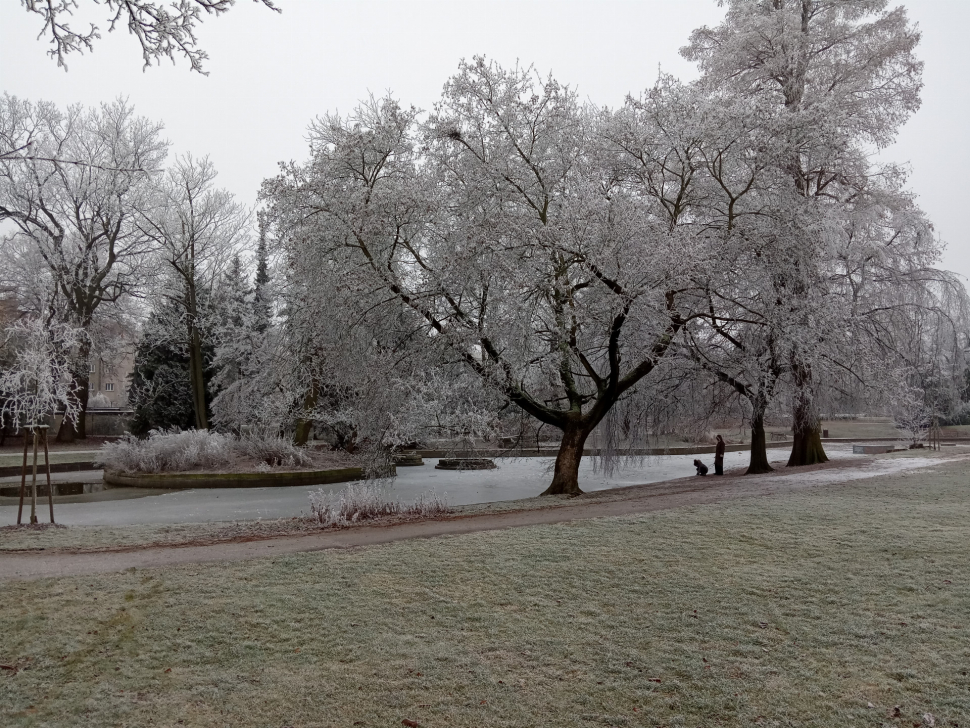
513 479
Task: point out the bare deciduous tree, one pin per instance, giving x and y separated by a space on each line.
76 201
163 31
195 228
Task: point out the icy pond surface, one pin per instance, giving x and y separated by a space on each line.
513 479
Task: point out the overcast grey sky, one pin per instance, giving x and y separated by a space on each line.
270 74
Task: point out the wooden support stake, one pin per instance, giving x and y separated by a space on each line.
23 480
33 482
47 465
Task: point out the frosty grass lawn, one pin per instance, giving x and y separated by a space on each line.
791 610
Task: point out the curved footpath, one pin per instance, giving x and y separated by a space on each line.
618 502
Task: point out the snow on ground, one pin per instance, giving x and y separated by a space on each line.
513 479
869 470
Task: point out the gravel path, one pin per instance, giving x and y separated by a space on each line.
618 502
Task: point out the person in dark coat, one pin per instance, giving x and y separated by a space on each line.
719 457
701 467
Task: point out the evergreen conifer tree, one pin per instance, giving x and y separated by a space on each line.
160 392
261 294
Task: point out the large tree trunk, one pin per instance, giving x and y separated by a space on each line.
565 479
759 447
807 427
807 448
196 374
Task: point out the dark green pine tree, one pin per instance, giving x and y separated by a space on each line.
160 391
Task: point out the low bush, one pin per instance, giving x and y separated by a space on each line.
274 451
172 451
368 500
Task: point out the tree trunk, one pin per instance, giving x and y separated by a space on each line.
304 425
807 426
807 448
759 448
196 366
301 434
565 480
68 431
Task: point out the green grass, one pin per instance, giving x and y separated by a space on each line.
792 610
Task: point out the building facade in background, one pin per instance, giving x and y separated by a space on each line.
109 379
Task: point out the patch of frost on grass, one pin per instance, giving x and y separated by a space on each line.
801 609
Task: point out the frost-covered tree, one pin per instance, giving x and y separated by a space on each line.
500 226
162 30
196 229
262 292
706 157
249 395
230 319
905 313
75 199
38 381
831 80
250 363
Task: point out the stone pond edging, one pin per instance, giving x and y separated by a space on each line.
182 481
79 466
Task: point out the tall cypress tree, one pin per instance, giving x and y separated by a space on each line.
261 295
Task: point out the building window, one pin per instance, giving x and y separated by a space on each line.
109 386
92 367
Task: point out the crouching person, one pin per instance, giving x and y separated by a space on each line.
701 467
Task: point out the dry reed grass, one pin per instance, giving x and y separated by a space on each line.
368 500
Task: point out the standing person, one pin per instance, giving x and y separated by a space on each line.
719 457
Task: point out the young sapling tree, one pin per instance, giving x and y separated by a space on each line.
38 384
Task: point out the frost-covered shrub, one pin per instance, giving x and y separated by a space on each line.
368 500
356 502
98 401
273 451
169 451
911 413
